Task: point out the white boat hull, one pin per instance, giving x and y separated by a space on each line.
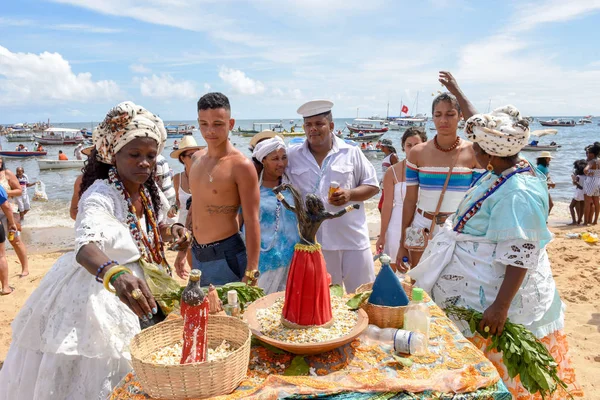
540 148
58 164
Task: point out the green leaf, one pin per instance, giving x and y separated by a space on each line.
407 362
472 325
358 299
336 290
257 342
297 367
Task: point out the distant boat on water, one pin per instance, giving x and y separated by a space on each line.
60 136
558 122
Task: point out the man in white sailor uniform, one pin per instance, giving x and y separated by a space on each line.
313 166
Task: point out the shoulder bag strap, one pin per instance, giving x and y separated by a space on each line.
439 205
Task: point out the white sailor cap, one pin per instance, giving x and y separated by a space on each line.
315 107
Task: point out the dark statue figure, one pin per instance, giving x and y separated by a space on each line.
310 215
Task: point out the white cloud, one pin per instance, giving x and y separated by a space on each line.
239 82
139 68
31 78
206 88
166 87
532 14
74 112
191 15
290 94
82 28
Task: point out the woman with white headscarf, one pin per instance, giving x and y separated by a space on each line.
70 340
491 255
278 225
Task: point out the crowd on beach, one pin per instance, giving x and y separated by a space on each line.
466 218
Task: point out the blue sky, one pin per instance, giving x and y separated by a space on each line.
71 60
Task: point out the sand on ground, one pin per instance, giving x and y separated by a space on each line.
575 266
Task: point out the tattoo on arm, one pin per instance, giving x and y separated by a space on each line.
214 209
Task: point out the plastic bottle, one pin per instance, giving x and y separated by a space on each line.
406 264
417 316
403 341
194 310
232 308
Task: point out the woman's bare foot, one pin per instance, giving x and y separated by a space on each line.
23 274
3 293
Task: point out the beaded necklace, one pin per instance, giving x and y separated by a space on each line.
471 211
150 246
449 149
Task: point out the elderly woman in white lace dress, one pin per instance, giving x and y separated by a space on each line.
70 339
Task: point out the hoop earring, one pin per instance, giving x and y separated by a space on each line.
490 167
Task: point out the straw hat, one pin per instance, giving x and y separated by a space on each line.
87 150
545 154
262 135
187 143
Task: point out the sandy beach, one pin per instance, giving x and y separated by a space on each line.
575 267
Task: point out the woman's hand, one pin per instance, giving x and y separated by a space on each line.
181 237
180 268
402 252
127 287
494 319
448 81
379 245
172 211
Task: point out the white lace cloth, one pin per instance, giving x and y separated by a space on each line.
70 340
466 270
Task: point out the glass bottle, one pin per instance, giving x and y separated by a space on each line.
232 308
194 310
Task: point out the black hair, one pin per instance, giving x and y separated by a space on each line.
3 166
326 114
414 131
594 148
94 170
211 101
543 161
446 96
579 166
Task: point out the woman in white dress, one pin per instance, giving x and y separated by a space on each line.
394 183
70 340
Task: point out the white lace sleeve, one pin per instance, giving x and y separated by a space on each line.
519 253
98 211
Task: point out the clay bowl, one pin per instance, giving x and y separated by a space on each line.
300 348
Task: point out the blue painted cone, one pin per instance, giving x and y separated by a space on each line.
387 289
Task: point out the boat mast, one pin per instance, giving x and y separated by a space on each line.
387 115
489 105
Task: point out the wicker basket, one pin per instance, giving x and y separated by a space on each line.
197 380
383 316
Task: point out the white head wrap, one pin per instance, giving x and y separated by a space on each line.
502 133
266 147
123 124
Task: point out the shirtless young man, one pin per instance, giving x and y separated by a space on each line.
222 180
428 165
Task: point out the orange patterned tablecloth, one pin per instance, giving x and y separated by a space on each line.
453 365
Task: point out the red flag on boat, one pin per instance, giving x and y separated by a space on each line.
405 109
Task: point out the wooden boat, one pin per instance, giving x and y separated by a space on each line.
60 136
259 127
371 151
22 154
558 122
178 131
293 133
538 147
367 126
60 164
20 135
367 137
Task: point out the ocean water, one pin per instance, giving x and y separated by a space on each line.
59 183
